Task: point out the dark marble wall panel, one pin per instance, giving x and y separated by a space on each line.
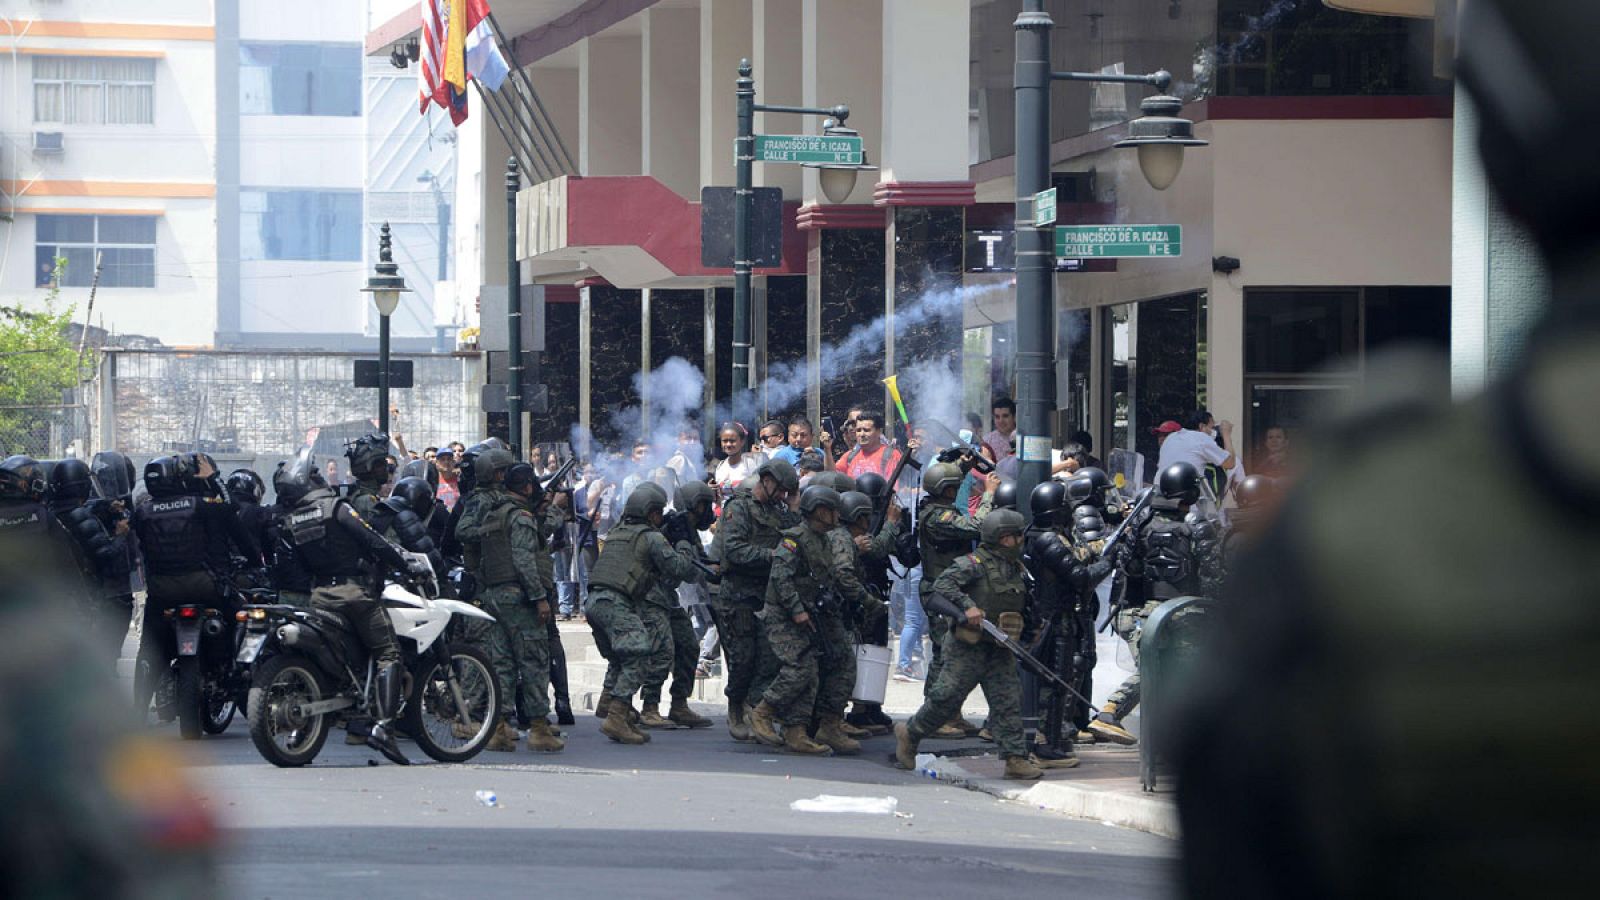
786 343
724 350
677 326
928 243
560 373
1168 387
849 266
615 345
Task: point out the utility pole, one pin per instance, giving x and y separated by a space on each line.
513 313
1035 250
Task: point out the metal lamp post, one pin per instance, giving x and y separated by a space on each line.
1160 136
385 285
837 182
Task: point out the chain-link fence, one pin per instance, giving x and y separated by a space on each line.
38 416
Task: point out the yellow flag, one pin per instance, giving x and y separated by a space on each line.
455 46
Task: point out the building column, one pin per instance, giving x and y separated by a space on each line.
778 77
842 62
724 40
671 98
609 85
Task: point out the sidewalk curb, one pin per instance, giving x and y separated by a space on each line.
1146 813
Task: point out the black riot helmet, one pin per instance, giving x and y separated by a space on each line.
1005 496
416 494
245 486
1046 502
369 457
855 508
113 475
1254 491
467 467
1179 482
696 498
1080 491
70 482
519 476
190 465
873 485
164 476
494 443
424 469
297 478
22 478
1099 483
816 497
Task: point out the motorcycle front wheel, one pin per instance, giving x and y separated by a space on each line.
283 735
453 709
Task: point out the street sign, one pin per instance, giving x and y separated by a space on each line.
841 150
1119 241
716 227
399 373
1044 208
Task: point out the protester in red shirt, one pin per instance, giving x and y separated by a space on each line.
870 454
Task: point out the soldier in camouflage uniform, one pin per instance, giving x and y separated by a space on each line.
865 554
943 535
750 529
635 558
987 583
693 502
803 623
369 466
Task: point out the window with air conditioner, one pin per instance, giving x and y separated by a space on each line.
92 90
126 246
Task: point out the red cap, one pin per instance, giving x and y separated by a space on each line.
1167 427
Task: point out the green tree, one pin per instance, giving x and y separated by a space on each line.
38 365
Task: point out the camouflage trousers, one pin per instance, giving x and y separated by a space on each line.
812 669
967 666
1129 625
518 647
685 656
743 646
938 629
836 668
637 642
371 622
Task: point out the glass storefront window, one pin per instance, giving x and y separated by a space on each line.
1301 330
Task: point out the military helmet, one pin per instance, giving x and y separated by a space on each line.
941 477
369 456
70 481
487 467
112 474
1046 501
1179 482
494 443
163 476
781 472
520 476
1000 523
416 494
873 485
1255 490
422 468
245 484
696 499
816 496
854 506
647 498
835 479
1005 496
22 478
467 467
293 480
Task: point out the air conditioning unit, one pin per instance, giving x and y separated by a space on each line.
47 143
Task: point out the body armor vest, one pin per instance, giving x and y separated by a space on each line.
23 518
1001 589
1168 559
319 540
622 566
286 570
937 555
494 550
172 535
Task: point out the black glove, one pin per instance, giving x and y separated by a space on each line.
676 527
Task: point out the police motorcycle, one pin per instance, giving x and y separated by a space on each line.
309 666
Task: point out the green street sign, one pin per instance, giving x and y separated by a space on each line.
1044 208
1118 241
809 148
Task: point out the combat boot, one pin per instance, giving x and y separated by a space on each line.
601 705
796 741
829 732
617 727
542 739
651 718
1048 757
967 728
949 731
1108 726
504 739
688 718
762 726
1022 769
464 732
739 722
905 747
853 732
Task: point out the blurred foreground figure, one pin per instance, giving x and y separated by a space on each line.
1405 706
91 810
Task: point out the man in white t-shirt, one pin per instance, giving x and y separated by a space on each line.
1180 444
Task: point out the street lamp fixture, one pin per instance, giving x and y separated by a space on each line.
386 284
1160 136
836 180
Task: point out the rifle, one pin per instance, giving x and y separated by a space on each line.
933 602
1123 528
971 451
881 514
552 483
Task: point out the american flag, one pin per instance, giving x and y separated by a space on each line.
430 87
457 45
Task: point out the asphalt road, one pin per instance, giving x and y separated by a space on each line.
690 814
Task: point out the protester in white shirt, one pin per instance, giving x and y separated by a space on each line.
1179 444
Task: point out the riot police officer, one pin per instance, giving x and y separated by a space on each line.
943 535
370 467
403 517
288 576
336 546
23 488
1173 556
986 584
245 490
188 534
635 630
101 552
